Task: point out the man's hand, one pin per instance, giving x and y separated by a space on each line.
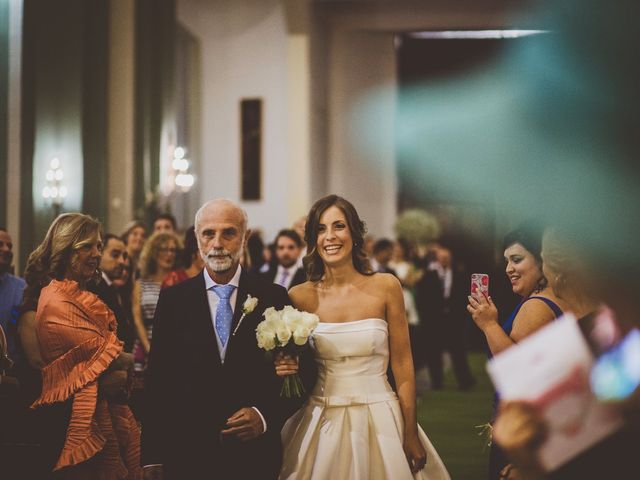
244 425
153 472
124 361
113 383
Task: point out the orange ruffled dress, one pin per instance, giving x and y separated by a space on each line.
77 337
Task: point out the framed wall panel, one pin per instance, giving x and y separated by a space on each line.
251 148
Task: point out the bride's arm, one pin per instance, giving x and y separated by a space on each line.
402 366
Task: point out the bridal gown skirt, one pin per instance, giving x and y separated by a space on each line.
351 428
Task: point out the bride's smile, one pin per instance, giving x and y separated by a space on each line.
334 237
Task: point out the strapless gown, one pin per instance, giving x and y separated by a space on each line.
351 427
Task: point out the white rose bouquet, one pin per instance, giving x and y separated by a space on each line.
287 330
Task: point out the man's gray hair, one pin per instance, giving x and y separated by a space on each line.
222 202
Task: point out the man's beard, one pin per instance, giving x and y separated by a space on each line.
224 261
115 274
287 262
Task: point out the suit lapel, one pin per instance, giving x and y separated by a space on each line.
245 287
203 323
243 291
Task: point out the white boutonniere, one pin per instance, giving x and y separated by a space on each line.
248 306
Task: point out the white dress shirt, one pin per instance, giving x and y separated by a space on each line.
447 280
213 299
291 271
106 278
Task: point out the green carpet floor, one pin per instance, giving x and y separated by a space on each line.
450 416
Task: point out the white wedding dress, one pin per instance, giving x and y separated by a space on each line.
351 427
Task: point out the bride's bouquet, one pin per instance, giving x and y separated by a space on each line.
287 330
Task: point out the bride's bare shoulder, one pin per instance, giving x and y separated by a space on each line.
384 281
304 296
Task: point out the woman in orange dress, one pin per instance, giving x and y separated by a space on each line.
83 360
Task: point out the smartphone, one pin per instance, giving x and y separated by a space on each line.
616 373
479 284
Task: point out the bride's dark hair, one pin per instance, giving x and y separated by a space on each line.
313 264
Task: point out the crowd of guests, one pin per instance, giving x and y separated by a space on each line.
60 351
133 268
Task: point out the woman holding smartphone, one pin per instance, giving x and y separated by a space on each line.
539 306
520 429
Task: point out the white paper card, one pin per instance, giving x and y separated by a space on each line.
551 369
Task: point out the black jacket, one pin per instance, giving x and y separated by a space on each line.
190 393
300 276
108 294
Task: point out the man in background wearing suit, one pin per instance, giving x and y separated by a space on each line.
112 263
286 271
213 399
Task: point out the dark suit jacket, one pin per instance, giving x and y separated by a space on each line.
299 277
429 299
190 393
109 296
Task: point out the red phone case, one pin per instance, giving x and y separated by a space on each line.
479 284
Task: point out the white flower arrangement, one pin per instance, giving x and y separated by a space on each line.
287 330
417 226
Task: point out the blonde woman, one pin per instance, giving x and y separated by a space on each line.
83 360
157 260
134 236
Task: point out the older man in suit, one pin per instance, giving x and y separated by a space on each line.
214 409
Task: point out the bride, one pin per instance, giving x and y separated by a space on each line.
353 425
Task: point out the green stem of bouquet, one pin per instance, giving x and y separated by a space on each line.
292 387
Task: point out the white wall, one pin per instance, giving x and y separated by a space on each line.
311 62
244 55
359 63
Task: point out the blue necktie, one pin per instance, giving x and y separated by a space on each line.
224 313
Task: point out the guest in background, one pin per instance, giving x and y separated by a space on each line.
454 283
83 360
113 260
269 254
156 261
11 288
382 255
165 222
134 236
190 259
524 268
369 242
8 383
299 226
285 271
401 263
407 273
539 306
124 290
429 304
254 252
